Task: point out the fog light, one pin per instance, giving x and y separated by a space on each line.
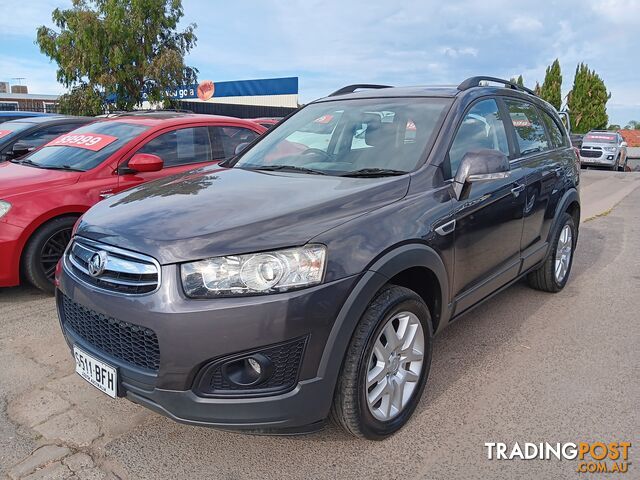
248 371
253 363
610 157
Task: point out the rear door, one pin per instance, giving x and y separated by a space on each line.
488 216
539 143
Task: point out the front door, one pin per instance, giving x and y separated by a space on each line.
488 215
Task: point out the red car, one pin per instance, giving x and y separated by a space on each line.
43 194
267 122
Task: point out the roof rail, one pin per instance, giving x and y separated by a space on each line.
475 82
358 86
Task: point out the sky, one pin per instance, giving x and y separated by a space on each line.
329 44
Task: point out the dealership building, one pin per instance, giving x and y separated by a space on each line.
267 97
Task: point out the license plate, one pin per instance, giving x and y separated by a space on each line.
102 376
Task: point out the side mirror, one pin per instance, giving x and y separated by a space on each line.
145 162
241 147
19 149
623 144
479 166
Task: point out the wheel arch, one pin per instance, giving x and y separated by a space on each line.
39 222
569 203
404 263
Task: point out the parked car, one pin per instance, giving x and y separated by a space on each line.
290 287
267 122
8 115
603 148
43 194
19 137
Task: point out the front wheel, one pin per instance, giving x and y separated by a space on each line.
552 276
386 365
43 251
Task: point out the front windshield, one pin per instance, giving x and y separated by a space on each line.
9 129
81 157
388 135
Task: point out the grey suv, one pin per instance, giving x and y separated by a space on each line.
307 278
604 149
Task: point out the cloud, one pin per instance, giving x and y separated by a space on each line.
522 24
457 52
331 43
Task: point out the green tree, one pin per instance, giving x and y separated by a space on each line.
537 88
518 81
552 86
82 100
120 51
614 127
633 125
587 101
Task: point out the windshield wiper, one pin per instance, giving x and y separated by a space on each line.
290 168
374 172
61 167
25 161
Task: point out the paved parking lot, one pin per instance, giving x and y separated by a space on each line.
526 366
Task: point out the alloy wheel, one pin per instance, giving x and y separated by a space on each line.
395 366
52 250
564 251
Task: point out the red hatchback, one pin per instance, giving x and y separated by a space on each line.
42 195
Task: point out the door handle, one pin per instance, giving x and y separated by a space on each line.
517 189
447 228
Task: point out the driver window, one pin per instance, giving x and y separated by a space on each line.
481 128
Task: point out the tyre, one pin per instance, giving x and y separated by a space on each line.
623 167
552 276
386 365
44 249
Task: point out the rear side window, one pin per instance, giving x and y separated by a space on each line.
557 140
530 132
225 140
481 129
181 147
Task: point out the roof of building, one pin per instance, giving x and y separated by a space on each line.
632 137
28 96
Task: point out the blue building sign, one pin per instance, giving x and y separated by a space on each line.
207 89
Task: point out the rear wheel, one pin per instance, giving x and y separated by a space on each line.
386 365
43 251
552 276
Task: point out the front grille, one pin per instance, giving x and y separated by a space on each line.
124 272
286 359
123 340
591 153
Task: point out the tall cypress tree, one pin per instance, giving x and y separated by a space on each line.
588 101
537 88
552 86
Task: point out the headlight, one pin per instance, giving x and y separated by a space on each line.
4 208
610 149
256 273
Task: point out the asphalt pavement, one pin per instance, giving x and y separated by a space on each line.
526 366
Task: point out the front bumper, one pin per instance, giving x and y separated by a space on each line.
193 333
607 158
10 247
